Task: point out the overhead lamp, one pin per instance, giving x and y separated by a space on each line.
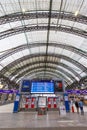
23 10
1 86
76 13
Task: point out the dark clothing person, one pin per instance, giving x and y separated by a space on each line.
77 106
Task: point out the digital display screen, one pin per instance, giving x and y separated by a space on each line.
42 87
58 86
26 86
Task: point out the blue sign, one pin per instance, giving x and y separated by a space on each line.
16 103
26 86
42 87
8 91
76 91
67 106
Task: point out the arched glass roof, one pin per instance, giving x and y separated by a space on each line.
43 39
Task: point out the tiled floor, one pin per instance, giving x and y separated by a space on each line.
31 120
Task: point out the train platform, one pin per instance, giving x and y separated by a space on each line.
32 121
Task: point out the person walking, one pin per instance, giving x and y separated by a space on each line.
81 107
72 105
77 106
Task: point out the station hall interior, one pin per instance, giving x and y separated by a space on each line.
43 64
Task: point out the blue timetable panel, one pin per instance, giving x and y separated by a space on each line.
42 87
26 86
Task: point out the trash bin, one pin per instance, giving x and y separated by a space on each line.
62 110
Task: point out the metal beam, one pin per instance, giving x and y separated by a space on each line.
48 67
41 14
55 63
48 33
28 28
48 75
28 72
83 68
51 67
38 44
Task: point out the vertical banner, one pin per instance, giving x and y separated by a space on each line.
16 103
66 102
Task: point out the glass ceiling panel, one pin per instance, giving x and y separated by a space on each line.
28 5
11 6
65 76
83 61
68 54
12 42
26 51
34 50
66 70
80 26
83 46
7 61
56 4
63 61
30 22
43 21
69 23
71 54
15 24
4 27
68 39
76 57
21 37
41 71
42 49
25 62
56 50
66 22
83 74
75 68
20 54
41 64
37 36
1 67
14 57
51 49
71 6
37 65
44 6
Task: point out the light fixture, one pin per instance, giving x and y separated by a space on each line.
23 10
1 86
76 13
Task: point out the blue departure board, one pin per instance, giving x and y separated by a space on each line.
26 86
42 87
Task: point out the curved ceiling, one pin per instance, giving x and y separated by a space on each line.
43 39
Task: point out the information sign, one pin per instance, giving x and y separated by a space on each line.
42 101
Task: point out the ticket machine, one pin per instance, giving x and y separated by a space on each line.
28 103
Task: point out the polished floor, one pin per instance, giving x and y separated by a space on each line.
31 120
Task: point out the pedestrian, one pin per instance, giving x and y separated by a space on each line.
72 105
81 107
77 106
